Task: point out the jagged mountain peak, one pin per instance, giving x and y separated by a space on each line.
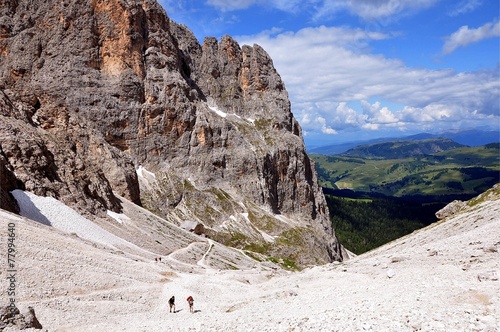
100 88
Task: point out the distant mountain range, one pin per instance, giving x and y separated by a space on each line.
472 137
403 149
432 168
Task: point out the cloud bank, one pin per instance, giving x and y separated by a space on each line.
231 5
335 85
366 9
372 9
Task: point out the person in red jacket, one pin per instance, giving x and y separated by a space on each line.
190 302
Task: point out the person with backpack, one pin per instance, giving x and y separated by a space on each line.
171 303
190 301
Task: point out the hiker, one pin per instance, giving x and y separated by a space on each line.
171 303
190 301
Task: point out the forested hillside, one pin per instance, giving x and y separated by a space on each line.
375 198
364 224
458 173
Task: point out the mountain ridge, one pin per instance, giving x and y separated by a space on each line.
471 137
403 148
100 89
459 172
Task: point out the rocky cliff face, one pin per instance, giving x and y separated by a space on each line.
92 90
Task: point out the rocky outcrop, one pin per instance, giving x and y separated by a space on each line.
11 317
8 180
451 209
103 86
457 206
56 155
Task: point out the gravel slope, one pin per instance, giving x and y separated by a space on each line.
441 278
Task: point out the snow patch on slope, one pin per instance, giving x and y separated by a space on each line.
51 212
119 217
9 216
218 111
144 173
223 114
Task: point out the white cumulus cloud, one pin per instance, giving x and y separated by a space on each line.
330 79
325 129
373 9
230 5
465 36
336 83
366 9
464 6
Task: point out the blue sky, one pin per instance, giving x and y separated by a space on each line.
362 69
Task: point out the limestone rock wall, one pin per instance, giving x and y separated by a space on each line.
99 88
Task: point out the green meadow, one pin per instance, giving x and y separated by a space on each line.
464 170
374 200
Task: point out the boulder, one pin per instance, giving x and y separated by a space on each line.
451 209
11 317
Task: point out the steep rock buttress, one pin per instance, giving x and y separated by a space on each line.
99 88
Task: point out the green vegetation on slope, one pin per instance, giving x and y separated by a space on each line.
403 149
462 171
390 197
364 224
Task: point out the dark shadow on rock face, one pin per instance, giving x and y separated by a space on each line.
28 209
